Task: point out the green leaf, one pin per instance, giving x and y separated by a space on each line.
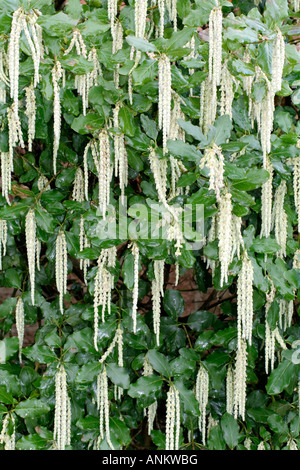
55 24
31 442
88 373
173 303
44 220
141 44
118 375
220 131
159 362
265 245
179 149
87 124
283 377
146 389
191 406
230 430
32 408
39 353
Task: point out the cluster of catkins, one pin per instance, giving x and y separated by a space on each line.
216 92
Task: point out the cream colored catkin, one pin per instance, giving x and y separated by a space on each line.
3 240
225 234
279 218
31 114
8 440
296 183
20 325
15 136
208 104
213 159
230 390
164 97
278 56
6 170
215 45
240 381
269 338
62 415
151 410
245 301
172 419
20 23
227 91
266 202
201 393
56 76
101 154
121 161
31 245
103 407
157 293
61 267
104 283
136 255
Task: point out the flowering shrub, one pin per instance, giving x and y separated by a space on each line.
141 140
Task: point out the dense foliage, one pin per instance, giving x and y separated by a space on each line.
62 385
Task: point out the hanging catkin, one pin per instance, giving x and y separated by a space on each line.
6 170
164 98
8 439
56 76
117 45
277 62
3 239
30 233
208 104
101 154
227 91
62 416
20 325
215 45
266 202
157 293
135 294
296 184
225 235
269 337
245 301
33 35
230 390
240 381
4 80
115 341
31 114
237 239
279 219
104 283
14 133
151 410
140 17
92 77
80 80
61 267
103 407
78 195
172 419
201 392
121 162
159 171
213 159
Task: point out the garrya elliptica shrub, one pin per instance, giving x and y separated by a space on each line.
143 143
